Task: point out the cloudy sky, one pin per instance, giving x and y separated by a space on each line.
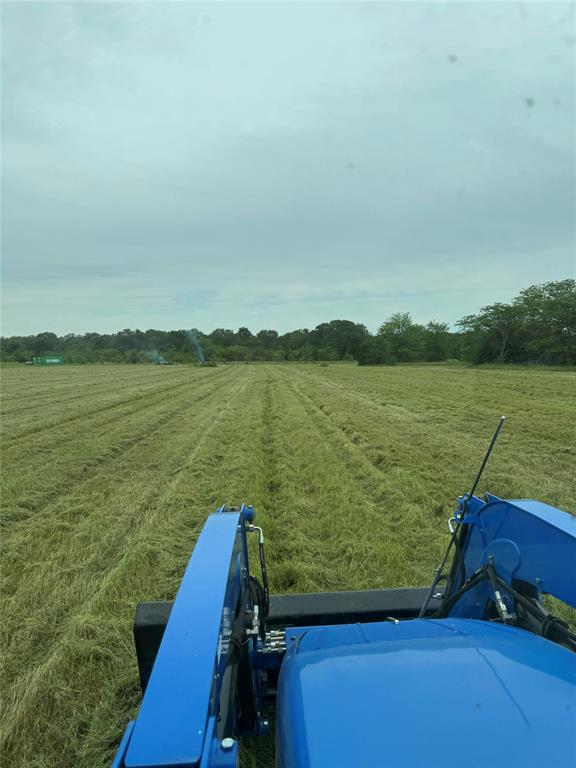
277 165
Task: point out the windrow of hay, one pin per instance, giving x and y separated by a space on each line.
109 472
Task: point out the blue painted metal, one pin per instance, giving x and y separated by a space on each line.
182 694
425 693
373 694
527 540
213 755
118 761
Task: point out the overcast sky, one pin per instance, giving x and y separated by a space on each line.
176 165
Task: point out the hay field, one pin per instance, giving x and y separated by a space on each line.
109 472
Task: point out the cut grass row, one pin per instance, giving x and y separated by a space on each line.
352 471
124 535
58 413
437 421
52 462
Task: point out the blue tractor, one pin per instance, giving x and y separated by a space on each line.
474 672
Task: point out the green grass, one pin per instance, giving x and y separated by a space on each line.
109 472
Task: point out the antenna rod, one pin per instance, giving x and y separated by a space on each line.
453 539
487 456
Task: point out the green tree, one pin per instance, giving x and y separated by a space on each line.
267 339
46 344
223 337
438 342
375 350
244 337
549 318
495 334
405 337
539 325
343 336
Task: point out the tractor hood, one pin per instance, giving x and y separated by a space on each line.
425 694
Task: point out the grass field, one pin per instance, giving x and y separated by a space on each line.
109 472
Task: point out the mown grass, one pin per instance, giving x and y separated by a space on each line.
109 472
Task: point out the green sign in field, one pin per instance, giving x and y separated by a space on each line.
48 360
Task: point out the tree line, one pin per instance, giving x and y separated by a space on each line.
538 326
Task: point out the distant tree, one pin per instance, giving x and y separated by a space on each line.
16 349
125 340
539 325
235 353
405 337
304 353
438 342
325 353
267 339
549 319
375 350
296 345
94 340
223 337
343 336
46 344
495 334
244 337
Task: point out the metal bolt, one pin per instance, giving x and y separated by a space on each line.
227 744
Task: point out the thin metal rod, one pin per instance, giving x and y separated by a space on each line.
438 571
435 580
487 456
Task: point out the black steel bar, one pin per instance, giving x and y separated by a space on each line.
487 455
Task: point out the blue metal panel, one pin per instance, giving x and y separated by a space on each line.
528 540
214 756
548 514
384 694
173 719
118 761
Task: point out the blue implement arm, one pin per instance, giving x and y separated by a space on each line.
525 540
175 725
